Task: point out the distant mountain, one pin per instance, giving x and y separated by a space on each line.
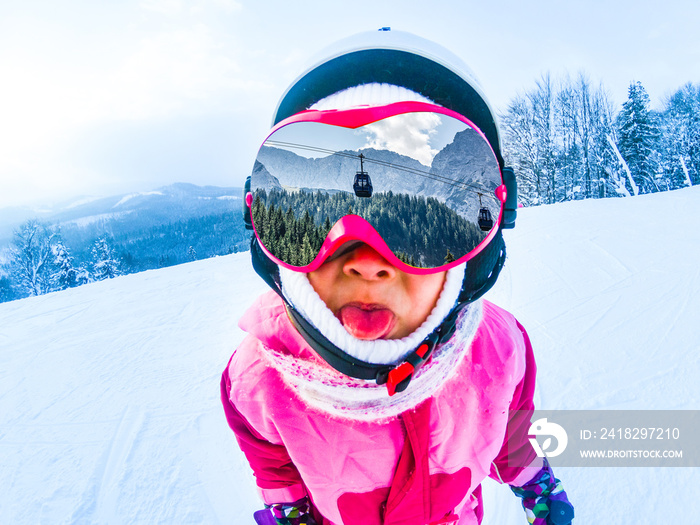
134 210
174 202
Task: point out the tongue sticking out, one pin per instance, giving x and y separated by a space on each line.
366 323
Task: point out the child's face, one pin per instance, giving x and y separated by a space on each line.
372 298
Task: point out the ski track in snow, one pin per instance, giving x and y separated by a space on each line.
109 395
123 441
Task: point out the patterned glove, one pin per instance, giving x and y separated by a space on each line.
544 499
296 513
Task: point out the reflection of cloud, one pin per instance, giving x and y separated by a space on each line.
407 134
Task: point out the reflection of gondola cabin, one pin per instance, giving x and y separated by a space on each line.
363 184
485 220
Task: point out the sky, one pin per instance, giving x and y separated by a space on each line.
101 98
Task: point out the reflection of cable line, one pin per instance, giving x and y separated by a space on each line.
432 176
420 173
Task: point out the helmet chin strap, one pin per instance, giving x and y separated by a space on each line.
396 377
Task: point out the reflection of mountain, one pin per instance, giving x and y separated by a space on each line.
263 179
468 158
465 160
337 172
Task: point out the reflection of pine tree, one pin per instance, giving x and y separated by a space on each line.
326 227
417 228
449 257
307 250
404 257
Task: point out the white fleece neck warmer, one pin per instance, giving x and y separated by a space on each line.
299 292
327 390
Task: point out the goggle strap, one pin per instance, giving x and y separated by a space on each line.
265 268
247 222
471 296
510 207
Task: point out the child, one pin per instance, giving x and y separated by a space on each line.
375 387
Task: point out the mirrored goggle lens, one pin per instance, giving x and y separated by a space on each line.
425 181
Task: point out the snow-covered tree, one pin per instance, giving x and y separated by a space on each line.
621 186
681 137
599 176
83 276
65 274
638 139
530 143
31 258
104 262
7 292
555 136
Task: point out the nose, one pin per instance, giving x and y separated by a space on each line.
366 263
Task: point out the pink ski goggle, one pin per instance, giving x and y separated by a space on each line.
417 182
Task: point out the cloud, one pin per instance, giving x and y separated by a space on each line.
408 134
56 87
172 8
169 71
164 7
227 5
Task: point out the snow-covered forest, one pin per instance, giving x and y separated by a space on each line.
567 141
119 235
45 258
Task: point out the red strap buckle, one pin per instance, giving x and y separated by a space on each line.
406 369
397 375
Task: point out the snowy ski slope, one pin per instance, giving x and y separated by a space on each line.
109 409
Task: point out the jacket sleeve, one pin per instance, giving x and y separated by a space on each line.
517 461
277 478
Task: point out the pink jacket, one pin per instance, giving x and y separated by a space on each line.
423 466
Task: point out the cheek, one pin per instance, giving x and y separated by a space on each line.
423 293
326 282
